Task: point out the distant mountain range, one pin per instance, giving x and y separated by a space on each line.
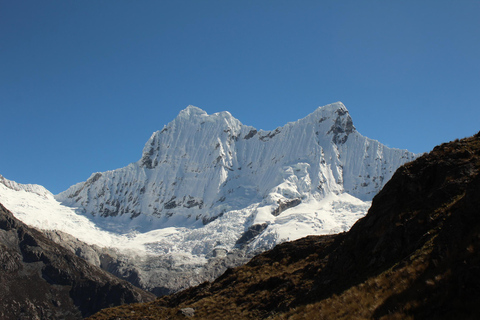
209 193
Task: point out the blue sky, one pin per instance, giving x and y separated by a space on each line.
83 84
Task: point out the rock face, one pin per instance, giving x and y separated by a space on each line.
200 166
414 255
42 280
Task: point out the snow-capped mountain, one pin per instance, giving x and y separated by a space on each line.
28 188
173 258
201 166
209 192
37 207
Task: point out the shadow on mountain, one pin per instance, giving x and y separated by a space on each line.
42 280
414 255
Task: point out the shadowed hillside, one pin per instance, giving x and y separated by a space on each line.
42 280
415 255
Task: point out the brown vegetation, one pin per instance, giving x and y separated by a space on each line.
415 255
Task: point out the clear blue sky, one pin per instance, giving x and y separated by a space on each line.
83 84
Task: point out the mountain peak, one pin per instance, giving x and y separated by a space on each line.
329 111
332 107
200 166
190 111
33 188
332 120
192 115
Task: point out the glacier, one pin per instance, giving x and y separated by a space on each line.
201 166
208 186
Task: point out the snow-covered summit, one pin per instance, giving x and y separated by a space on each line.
208 183
174 258
32 188
200 166
194 114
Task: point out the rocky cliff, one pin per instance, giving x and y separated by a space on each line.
42 280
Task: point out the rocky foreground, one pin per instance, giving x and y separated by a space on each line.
42 280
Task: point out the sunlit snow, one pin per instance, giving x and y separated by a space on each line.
330 215
204 180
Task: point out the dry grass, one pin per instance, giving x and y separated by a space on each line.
415 255
362 301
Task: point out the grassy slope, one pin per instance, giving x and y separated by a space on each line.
415 255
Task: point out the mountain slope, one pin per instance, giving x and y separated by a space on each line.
210 193
170 259
200 166
42 280
414 255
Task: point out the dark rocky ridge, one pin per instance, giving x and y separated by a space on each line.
414 255
42 280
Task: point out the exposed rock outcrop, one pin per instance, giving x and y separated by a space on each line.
42 280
